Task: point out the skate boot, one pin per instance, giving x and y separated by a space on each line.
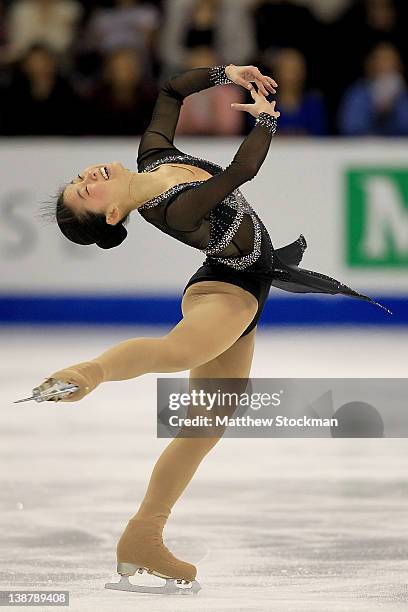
140 549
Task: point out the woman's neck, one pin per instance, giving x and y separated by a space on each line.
144 186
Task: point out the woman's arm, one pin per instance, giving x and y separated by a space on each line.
160 133
187 210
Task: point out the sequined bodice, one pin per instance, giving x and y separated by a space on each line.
213 215
224 220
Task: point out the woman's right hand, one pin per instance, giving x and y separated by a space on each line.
260 105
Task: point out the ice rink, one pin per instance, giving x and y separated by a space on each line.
273 525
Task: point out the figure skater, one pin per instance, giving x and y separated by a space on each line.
198 203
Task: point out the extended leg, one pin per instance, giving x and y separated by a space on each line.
214 316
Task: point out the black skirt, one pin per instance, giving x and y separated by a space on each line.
285 274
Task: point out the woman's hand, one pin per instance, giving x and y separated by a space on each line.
245 75
261 105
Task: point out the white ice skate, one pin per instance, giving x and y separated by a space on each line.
172 586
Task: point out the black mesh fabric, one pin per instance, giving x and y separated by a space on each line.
213 213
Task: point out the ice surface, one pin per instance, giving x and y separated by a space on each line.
287 524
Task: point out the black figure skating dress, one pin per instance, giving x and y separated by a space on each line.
213 215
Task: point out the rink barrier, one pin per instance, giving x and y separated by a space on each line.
166 310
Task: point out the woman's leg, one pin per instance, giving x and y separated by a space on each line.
179 461
175 468
215 314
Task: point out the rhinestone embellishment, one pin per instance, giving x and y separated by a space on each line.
218 76
267 121
224 220
167 194
302 242
180 159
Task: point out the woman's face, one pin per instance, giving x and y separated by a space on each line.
98 188
124 66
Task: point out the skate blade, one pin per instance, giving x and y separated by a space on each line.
172 586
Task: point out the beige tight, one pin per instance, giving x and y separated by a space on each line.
180 459
214 316
207 342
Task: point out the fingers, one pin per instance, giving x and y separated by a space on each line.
266 85
244 83
275 113
241 107
256 95
271 81
262 87
251 74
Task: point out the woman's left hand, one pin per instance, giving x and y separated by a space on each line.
246 75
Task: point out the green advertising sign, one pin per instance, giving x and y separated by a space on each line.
377 217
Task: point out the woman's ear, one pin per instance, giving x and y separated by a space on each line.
112 215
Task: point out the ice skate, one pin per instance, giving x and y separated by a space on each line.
141 549
50 390
171 586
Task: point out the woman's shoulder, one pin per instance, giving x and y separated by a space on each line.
167 156
154 157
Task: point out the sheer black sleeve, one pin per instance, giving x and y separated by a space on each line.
159 135
187 210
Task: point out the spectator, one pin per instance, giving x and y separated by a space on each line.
210 113
327 10
128 24
50 22
303 112
378 104
122 103
281 24
225 25
365 24
3 32
39 100
201 30
370 22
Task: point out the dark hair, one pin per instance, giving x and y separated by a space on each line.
87 227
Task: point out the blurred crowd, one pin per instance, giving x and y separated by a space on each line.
94 67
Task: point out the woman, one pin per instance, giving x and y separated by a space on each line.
122 101
198 203
302 110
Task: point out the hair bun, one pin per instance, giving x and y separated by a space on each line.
115 235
